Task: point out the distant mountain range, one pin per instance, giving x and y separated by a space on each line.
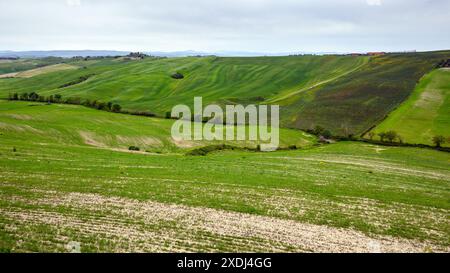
96 53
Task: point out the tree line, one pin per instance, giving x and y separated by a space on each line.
96 104
33 96
392 136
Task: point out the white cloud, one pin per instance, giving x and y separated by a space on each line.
73 3
241 25
374 2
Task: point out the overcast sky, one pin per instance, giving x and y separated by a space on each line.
231 25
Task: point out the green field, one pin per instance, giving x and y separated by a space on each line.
66 176
77 125
426 113
345 94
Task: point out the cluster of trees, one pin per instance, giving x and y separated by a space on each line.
33 96
87 58
137 55
443 63
320 132
105 106
76 81
389 136
134 148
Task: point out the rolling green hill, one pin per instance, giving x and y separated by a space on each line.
147 85
14 66
77 125
65 176
359 100
426 113
344 94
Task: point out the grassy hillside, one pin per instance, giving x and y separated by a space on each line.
77 125
147 85
426 113
60 186
344 94
41 70
14 66
357 101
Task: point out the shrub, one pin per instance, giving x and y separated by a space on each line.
116 108
140 113
202 151
133 148
326 134
318 130
177 76
292 147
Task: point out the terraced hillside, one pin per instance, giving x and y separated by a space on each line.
344 94
426 113
60 184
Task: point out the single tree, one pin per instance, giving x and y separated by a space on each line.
33 96
371 135
382 135
391 135
438 140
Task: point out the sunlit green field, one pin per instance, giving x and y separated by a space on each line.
426 113
67 176
78 125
